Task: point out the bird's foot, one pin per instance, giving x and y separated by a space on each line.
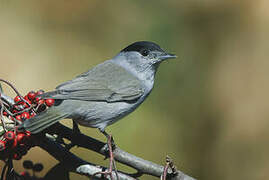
112 164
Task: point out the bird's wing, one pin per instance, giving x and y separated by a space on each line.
105 82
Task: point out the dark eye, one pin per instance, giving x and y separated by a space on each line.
145 52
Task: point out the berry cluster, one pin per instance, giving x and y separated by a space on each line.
17 143
28 106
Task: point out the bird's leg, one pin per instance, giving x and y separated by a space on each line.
111 146
110 140
76 131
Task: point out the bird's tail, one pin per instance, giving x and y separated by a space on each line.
43 120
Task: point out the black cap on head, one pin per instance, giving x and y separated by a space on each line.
141 46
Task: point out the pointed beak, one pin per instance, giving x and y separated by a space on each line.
165 56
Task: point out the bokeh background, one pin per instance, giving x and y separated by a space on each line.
209 108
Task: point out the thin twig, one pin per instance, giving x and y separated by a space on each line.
16 91
1 114
169 164
13 87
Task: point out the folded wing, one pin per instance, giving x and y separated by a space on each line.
106 82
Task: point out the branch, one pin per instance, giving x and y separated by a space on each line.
74 163
141 165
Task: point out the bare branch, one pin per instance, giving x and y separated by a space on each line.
141 165
74 163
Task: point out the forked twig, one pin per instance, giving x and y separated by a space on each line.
169 164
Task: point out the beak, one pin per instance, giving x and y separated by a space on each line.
165 56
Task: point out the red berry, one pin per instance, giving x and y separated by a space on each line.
2 145
40 92
27 137
17 99
49 102
17 156
31 95
9 135
26 97
21 138
27 133
30 102
25 115
25 174
14 143
5 113
18 117
37 99
41 101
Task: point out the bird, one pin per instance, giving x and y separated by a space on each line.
107 92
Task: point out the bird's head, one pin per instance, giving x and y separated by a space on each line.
143 55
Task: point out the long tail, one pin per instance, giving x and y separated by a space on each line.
43 120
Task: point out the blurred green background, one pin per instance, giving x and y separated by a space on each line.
209 108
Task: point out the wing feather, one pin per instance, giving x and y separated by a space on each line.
106 82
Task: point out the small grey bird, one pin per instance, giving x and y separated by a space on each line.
105 93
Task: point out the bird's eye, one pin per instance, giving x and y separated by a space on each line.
145 52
